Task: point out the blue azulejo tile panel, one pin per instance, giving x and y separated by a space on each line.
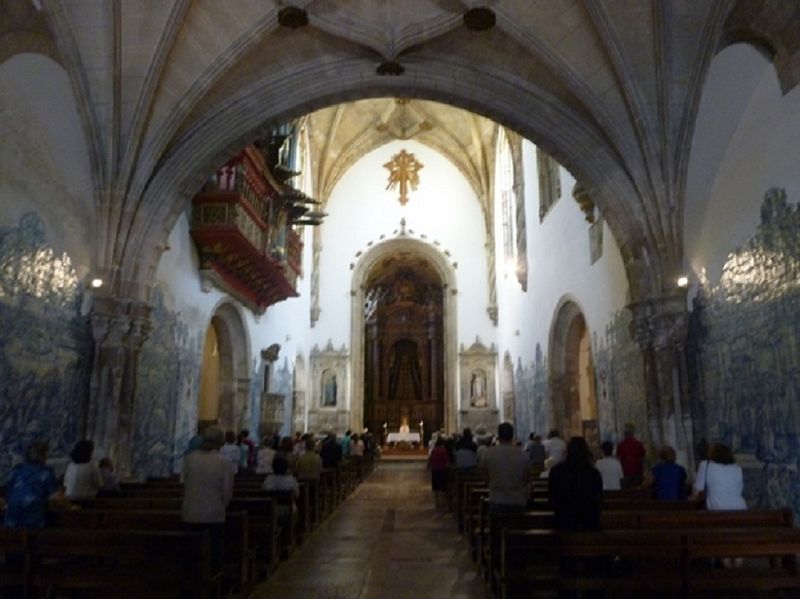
166 394
531 396
745 353
619 380
45 344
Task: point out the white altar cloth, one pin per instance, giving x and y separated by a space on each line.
408 437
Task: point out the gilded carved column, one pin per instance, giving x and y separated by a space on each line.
119 327
660 328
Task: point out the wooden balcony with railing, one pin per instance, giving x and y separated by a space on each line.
240 224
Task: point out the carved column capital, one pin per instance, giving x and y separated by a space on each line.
660 323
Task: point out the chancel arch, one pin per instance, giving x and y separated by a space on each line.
403 337
224 373
573 399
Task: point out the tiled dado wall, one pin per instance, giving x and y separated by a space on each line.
46 358
745 345
45 344
744 361
619 384
167 391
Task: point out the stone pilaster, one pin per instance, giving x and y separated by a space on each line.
660 326
119 327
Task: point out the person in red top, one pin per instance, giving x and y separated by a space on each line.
630 453
437 462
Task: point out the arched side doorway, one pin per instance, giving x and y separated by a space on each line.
573 398
404 252
224 374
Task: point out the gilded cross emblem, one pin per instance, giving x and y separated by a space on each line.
403 173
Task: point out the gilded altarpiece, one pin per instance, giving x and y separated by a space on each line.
404 352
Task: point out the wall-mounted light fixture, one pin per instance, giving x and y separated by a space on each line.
683 281
97 283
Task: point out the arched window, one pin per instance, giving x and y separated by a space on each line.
508 204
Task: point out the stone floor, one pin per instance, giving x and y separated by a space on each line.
386 541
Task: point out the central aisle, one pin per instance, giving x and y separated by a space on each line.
385 541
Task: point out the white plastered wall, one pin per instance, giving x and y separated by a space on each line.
443 211
558 266
44 164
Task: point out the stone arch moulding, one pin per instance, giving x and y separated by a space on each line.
329 379
447 274
235 375
563 361
226 128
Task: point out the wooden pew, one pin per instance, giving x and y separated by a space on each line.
649 562
631 520
770 561
456 489
122 563
630 561
15 566
465 487
472 515
238 553
263 526
327 490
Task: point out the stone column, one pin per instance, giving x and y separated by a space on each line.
660 328
119 327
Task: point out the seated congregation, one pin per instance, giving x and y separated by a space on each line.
546 519
234 513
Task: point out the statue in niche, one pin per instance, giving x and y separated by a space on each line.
329 389
477 389
405 378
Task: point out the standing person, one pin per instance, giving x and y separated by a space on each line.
536 453
576 489
110 478
466 452
721 479
82 479
609 467
251 450
230 451
266 453
669 478
437 462
347 439
282 480
330 452
207 489
555 447
28 488
309 465
507 467
631 454
356 446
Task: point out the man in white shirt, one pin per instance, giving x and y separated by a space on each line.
207 488
610 468
555 447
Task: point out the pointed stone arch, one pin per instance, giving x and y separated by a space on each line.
573 396
233 383
447 274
